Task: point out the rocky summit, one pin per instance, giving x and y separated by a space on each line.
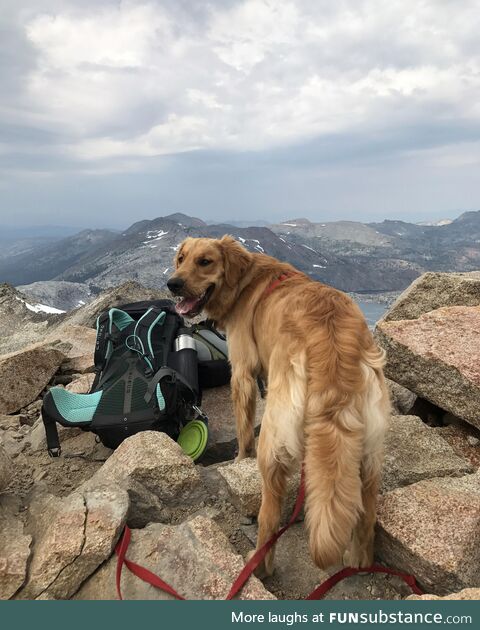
193 524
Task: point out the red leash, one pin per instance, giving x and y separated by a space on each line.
330 582
150 578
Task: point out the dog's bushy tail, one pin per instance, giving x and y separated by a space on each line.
335 433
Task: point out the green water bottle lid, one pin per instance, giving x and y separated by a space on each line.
193 438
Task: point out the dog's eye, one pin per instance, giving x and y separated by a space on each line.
203 262
180 260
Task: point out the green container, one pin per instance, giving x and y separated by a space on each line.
193 438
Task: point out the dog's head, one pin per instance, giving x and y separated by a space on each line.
207 275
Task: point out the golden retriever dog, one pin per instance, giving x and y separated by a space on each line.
327 404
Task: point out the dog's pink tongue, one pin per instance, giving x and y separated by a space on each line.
185 305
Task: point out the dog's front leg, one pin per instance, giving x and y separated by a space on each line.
244 394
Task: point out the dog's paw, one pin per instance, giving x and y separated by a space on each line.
246 455
357 558
262 571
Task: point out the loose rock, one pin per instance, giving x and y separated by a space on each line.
430 529
156 473
438 357
434 290
25 374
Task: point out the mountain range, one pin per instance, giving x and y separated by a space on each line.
352 256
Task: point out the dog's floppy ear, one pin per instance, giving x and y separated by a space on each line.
236 260
180 251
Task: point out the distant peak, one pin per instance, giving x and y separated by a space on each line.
185 219
296 222
470 214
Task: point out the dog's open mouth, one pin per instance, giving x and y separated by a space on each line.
191 306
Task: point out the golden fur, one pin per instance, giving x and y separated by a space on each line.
326 404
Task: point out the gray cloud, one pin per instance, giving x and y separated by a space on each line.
261 108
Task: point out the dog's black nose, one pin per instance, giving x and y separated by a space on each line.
175 284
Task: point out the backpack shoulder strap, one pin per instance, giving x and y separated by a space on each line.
105 337
101 343
157 330
144 330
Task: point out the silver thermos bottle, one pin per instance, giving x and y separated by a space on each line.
187 358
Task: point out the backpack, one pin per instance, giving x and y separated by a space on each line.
142 381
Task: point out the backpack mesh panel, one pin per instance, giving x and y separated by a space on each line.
112 400
139 390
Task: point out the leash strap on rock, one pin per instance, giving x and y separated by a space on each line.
330 582
141 572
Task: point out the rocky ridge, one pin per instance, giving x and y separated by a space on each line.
352 256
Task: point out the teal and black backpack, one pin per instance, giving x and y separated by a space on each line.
145 379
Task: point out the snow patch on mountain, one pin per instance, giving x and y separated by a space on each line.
153 236
40 308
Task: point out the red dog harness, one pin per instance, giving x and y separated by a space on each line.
274 284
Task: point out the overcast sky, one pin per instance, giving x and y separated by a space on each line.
114 111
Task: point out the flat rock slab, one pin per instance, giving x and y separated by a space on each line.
73 536
222 441
438 357
194 557
434 290
414 451
25 374
431 530
14 554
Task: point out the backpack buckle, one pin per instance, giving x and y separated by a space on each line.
54 452
200 414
